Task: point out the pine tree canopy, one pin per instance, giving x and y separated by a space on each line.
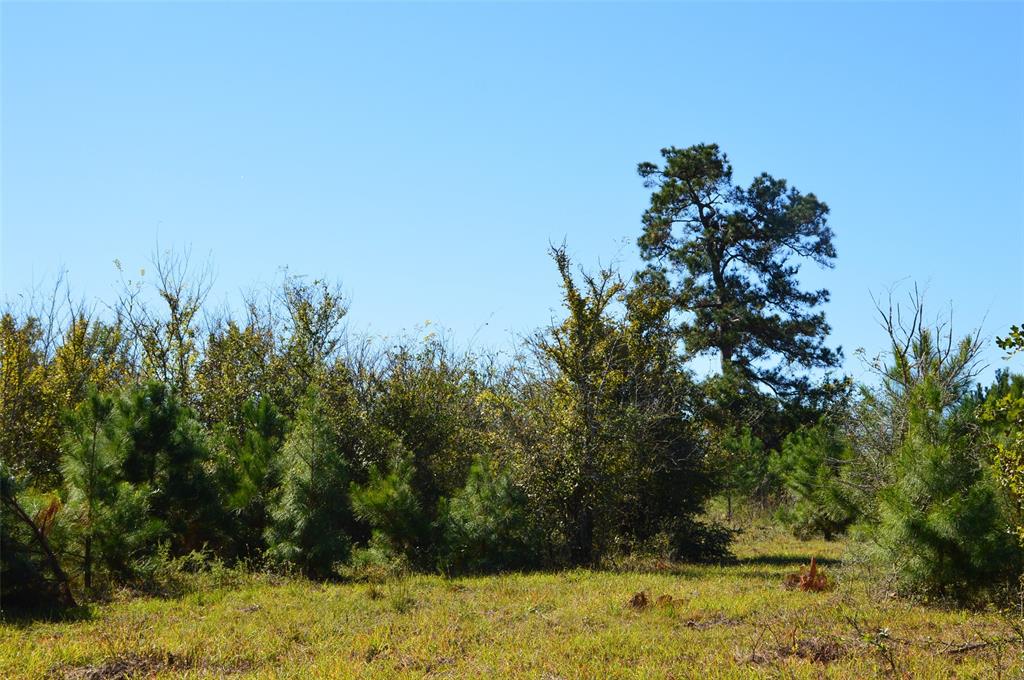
732 256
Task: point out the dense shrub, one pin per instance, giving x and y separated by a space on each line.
425 400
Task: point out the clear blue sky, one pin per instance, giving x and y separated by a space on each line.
425 155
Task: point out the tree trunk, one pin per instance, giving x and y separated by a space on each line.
726 351
87 564
583 541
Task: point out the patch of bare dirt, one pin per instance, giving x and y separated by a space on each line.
822 650
134 665
125 666
707 622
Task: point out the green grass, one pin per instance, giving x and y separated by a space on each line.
731 621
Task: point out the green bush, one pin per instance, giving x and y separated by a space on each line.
249 471
375 563
810 465
26 580
941 528
388 504
167 453
106 524
487 526
311 521
163 575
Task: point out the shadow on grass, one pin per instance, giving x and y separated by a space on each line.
784 561
20 617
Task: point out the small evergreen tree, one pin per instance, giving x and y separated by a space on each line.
91 466
810 466
487 525
933 515
389 504
167 452
249 466
941 527
742 464
311 521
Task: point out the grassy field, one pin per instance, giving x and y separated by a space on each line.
733 621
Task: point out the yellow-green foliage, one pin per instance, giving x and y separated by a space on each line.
734 621
1008 413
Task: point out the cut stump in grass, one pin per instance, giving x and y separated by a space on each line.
809 579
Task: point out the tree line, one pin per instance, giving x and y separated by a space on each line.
158 428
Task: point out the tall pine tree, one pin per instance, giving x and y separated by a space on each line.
731 255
